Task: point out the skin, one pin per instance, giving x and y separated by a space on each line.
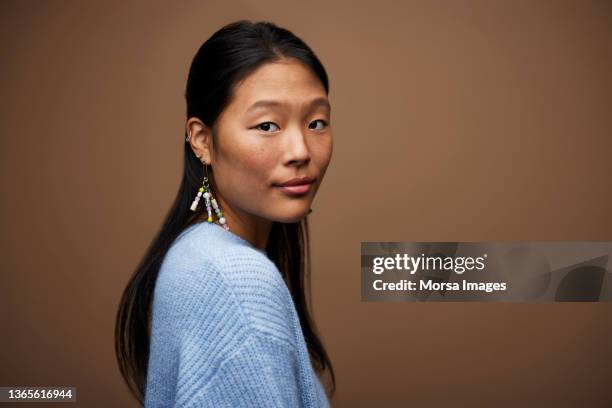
257 148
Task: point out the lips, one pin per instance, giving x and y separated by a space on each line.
296 182
296 186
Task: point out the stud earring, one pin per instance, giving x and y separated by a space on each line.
211 203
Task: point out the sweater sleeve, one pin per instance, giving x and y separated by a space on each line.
222 336
262 373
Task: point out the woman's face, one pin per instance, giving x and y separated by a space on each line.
276 128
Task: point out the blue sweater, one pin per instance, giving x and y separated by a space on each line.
224 329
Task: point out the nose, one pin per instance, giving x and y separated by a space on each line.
296 147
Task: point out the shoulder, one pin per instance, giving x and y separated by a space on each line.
209 273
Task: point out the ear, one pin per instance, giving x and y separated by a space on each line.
199 136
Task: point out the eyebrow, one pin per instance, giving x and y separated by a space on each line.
320 101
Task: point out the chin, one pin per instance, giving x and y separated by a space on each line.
291 215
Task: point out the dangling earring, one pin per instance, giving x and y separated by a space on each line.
206 191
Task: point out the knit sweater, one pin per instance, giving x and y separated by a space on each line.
224 329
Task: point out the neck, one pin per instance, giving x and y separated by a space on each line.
253 229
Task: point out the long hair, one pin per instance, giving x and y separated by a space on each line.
226 58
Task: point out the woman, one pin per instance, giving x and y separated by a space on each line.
224 283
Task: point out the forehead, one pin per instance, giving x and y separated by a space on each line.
289 81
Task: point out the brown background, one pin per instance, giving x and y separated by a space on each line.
452 121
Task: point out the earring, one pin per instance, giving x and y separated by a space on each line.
211 202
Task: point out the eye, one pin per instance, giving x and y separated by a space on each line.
324 124
265 126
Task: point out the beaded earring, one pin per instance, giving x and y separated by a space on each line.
211 203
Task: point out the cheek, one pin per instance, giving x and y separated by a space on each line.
247 172
322 154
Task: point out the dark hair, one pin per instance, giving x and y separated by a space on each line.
226 58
